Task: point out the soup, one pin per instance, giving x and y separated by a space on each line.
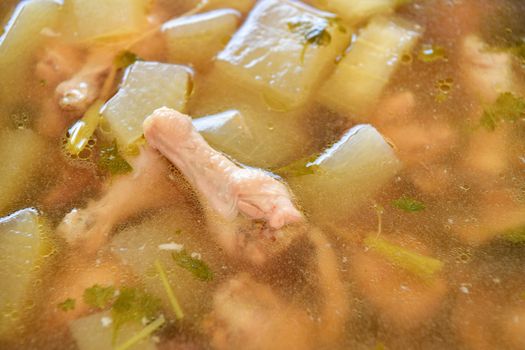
268 174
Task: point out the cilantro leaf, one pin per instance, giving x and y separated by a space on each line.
408 204
67 305
300 167
125 59
99 297
197 267
131 305
313 33
111 160
507 108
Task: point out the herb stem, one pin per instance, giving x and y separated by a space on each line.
144 333
169 291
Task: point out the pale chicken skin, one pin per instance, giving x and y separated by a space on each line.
90 227
227 188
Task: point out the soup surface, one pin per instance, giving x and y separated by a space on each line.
270 174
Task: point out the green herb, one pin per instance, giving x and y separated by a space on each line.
516 235
420 265
298 168
169 291
197 267
380 346
67 305
83 129
408 204
111 160
507 108
133 305
143 334
432 53
312 32
125 59
99 297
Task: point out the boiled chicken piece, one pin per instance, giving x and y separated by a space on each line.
57 63
147 187
487 73
79 92
225 187
251 315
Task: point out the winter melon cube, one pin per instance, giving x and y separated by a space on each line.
21 248
211 30
20 153
361 75
283 50
354 11
347 174
146 87
21 38
96 19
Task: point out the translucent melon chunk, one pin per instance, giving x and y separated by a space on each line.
20 154
348 174
362 74
95 332
21 247
355 11
211 30
146 87
228 133
20 40
283 50
96 19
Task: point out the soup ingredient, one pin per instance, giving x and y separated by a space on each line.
357 11
228 188
403 295
95 332
89 228
507 108
488 73
21 152
408 204
57 62
146 86
196 266
251 315
139 248
229 133
348 173
101 19
420 265
78 93
169 291
19 42
110 160
266 57
67 305
22 249
82 131
211 29
99 297
365 70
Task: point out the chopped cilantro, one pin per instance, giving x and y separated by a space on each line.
99 297
133 305
67 305
516 235
313 33
409 205
197 267
125 59
299 167
507 108
432 53
423 266
111 160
